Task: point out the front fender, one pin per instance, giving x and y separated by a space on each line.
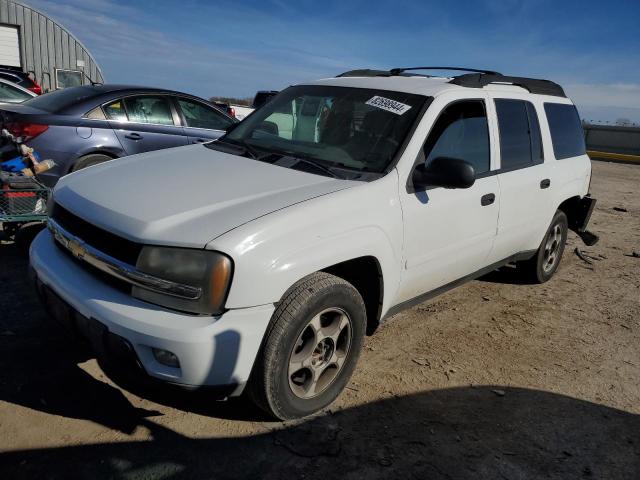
273 252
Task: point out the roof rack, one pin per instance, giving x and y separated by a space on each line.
474 79
533 85
365 72
398 71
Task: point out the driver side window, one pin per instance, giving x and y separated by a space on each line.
461 132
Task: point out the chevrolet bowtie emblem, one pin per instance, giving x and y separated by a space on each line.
76 248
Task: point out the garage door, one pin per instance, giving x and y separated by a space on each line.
9 46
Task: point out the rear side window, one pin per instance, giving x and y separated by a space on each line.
11 94
149 109
520 140
461 132
567 135
115 111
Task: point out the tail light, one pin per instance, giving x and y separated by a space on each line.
35 88
26 130
232 111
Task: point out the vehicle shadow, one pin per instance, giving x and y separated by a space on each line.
479 433
507 274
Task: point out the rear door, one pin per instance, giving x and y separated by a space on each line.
201 122
144 123
524 178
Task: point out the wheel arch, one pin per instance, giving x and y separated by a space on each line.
102 151
572 209
365 274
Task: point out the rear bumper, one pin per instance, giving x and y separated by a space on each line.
213 351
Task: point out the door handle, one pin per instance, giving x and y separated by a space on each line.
133 136
200 140
546 183
487 199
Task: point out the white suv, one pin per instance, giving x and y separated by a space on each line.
263 258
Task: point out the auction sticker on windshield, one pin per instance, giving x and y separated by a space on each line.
389 105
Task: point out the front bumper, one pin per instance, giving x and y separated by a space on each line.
213 351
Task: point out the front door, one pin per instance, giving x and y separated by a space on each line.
143 123
449 233
202 123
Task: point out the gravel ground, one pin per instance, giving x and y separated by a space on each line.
495 379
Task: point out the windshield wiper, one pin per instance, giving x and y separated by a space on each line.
318 165
242 144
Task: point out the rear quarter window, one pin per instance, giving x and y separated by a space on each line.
567 135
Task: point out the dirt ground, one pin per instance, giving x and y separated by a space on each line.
493 380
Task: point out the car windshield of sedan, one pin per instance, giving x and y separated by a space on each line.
333 128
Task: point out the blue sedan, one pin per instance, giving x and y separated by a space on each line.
82 126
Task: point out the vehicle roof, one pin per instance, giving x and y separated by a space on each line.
110 87
420 84
13 70
90 96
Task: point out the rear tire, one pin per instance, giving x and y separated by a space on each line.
543 265
310 349
90 160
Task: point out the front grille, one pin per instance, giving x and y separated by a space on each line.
113 245
110 280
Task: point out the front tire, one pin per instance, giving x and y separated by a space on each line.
311 347
546 261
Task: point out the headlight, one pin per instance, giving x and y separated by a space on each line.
209 271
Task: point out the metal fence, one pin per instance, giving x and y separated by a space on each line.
613 142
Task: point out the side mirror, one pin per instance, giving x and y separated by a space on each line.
269 127
444 172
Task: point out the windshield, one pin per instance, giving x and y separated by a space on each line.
355 129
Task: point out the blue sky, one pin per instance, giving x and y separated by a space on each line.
237 47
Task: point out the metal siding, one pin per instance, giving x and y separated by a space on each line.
20 21
27 35
12 14
65 50
47 80
72 53
57 33
35 32
45 45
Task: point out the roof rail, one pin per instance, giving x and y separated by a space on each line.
398 71
365 72
533 85
475 79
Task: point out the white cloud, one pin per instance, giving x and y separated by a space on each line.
623 95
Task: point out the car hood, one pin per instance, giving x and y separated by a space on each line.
185 196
